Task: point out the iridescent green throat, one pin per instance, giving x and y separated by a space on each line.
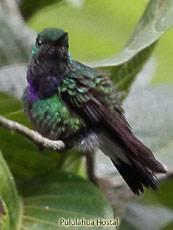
34 51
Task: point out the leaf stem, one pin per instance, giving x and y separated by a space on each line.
90 157
32 135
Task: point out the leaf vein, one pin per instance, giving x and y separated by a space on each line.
58 210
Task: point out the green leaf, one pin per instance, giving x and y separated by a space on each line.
123 76
168 227
56 196
163 53
149 29
73 161
46 199
13 104
4 216
153 210
9 201
125 66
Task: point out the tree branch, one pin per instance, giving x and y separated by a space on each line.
32 135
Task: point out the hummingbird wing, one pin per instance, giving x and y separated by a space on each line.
94 98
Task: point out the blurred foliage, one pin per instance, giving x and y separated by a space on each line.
153 210
13 104
163 54
8 197
101 31
97 30
149 111
47 199
18 48
105 29
27 8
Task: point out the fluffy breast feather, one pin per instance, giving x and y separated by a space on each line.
52 118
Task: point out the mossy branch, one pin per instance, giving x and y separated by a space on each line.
34 136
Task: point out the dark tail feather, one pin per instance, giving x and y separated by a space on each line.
145 157
134 161
137 168
136 175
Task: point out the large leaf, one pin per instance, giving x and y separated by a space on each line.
149 29
56 196
124 75
124 67
47 199
9 201
153 210
163 53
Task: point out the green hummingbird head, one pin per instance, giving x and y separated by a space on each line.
51 37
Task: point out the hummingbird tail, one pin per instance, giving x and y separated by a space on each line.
136 165
136 176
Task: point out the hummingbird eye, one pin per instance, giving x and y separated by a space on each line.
38 42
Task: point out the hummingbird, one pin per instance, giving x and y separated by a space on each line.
69 101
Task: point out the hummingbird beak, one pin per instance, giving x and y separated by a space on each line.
59 41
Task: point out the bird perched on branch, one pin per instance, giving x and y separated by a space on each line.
66 100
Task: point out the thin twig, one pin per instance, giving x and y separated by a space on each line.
32 135
90 158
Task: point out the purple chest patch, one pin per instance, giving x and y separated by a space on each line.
41 86
32 95
45 89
